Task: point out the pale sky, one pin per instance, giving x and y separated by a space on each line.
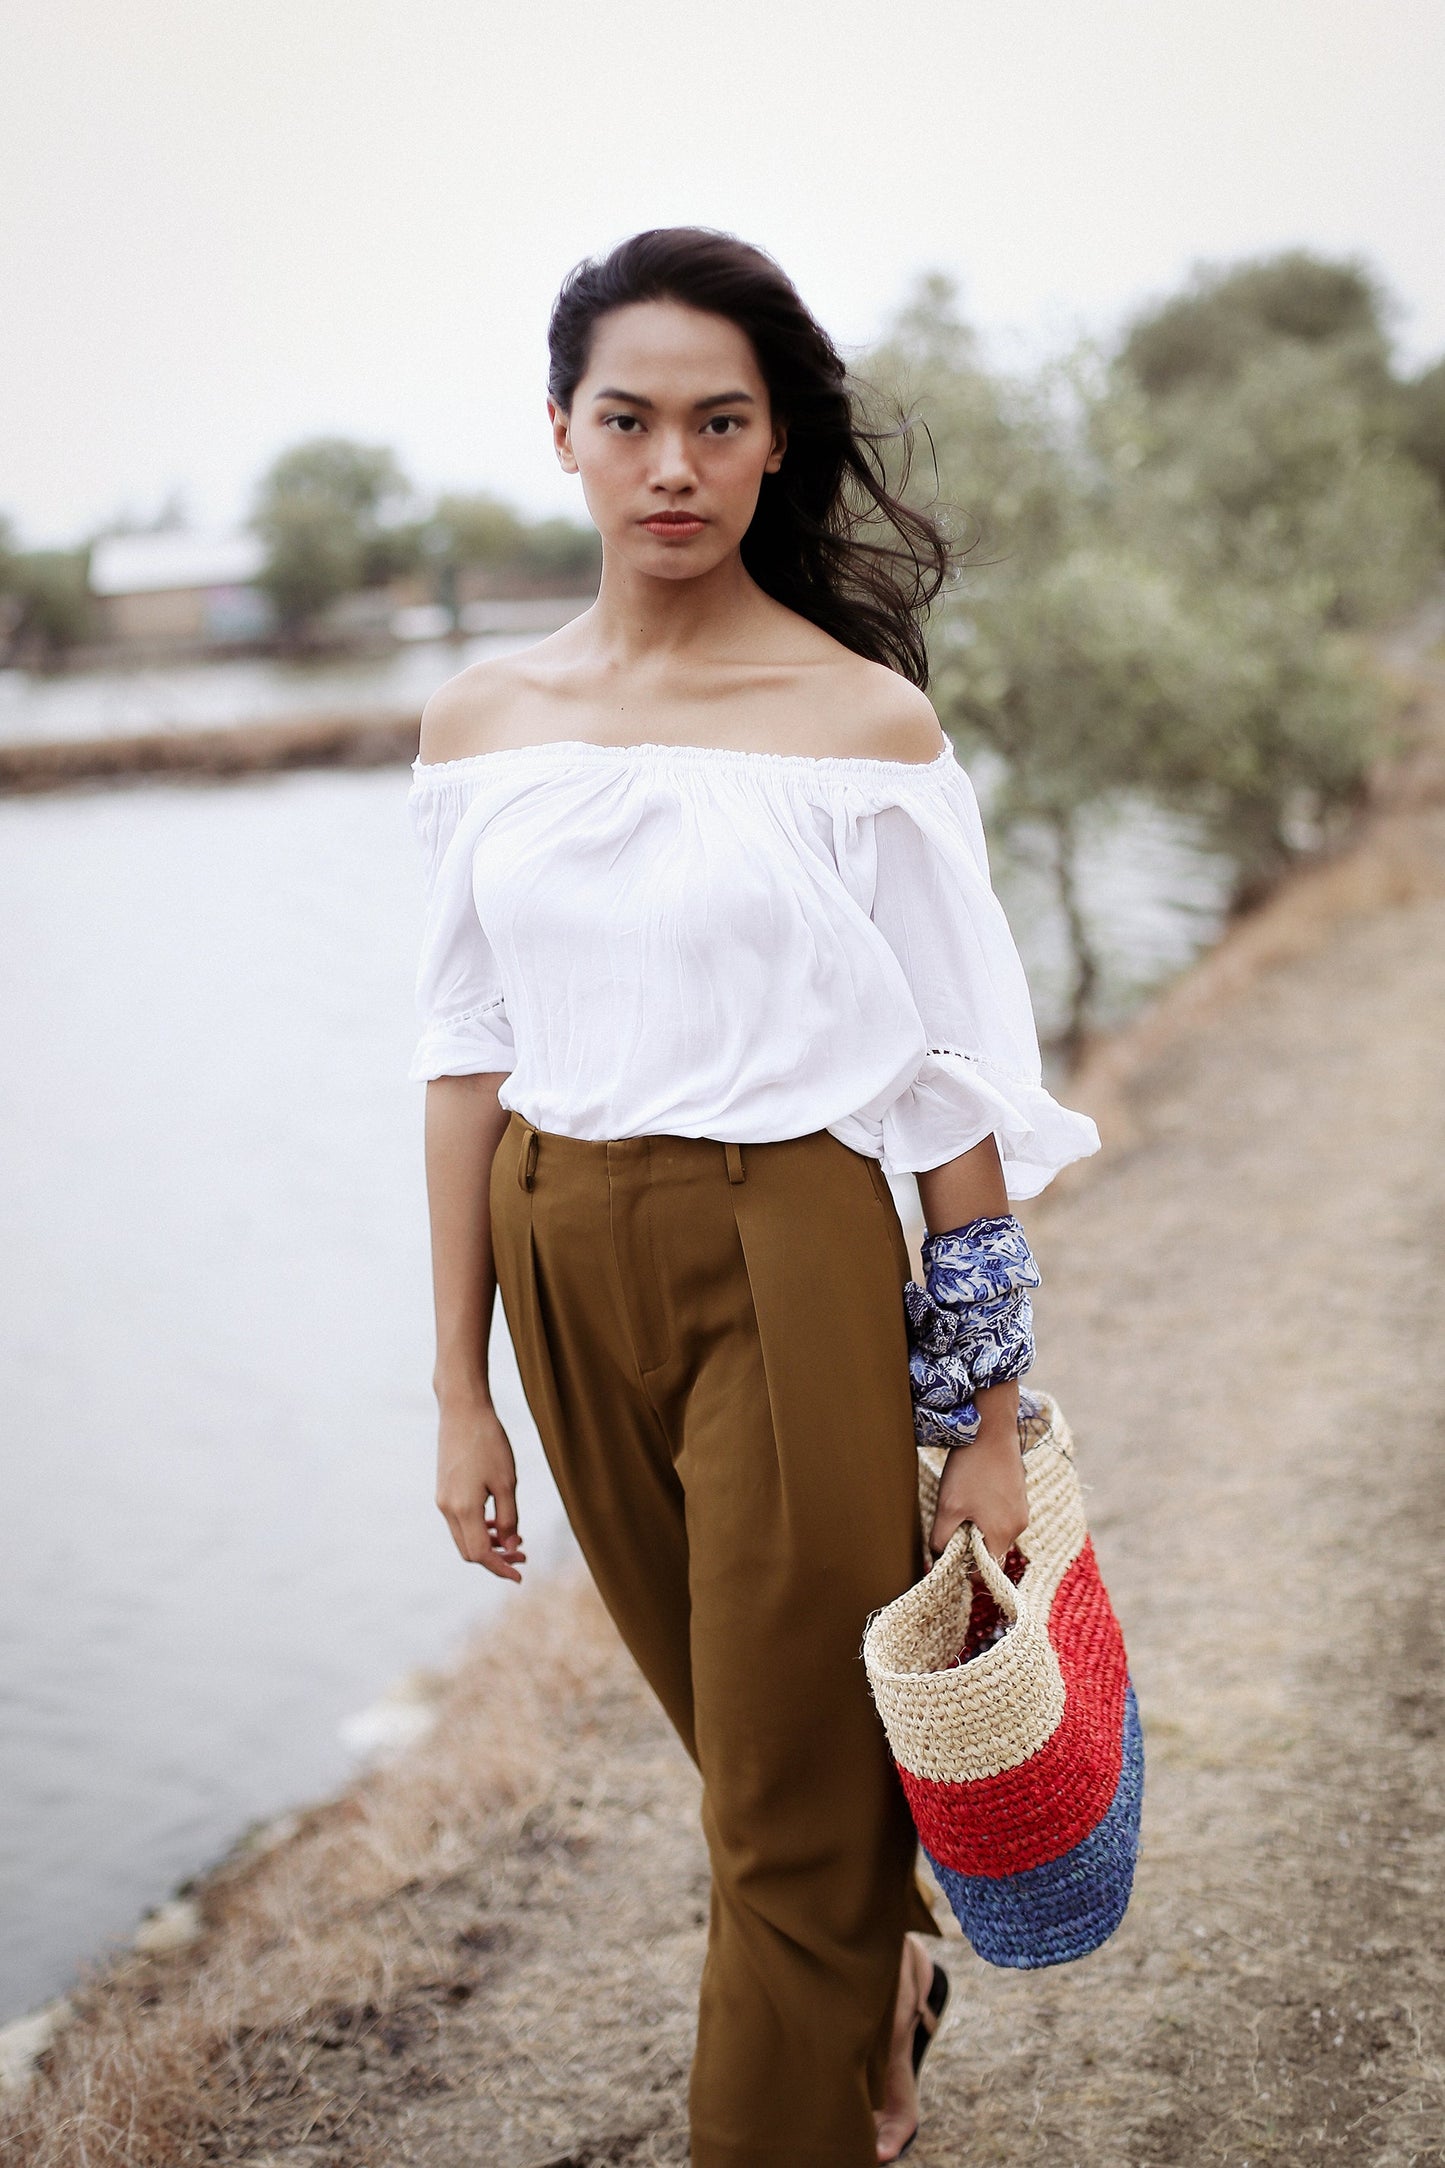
229 224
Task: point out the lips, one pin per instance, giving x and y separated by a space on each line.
674 526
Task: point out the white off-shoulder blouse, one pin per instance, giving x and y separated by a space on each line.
703 942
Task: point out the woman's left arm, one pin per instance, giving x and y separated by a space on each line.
983 1481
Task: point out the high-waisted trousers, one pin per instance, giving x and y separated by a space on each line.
711 1338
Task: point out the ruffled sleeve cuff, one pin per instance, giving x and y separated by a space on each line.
956 1100
476 1042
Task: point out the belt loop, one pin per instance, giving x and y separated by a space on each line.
734 1155
527 1167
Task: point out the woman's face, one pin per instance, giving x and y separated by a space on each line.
672 432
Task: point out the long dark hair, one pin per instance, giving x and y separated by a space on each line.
831 537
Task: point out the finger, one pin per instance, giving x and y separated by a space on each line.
943 1530
486 1554
494 1562
476 1541
504 1510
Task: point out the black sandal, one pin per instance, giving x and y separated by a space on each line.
930 2018
925 2032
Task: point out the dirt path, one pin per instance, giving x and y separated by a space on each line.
1242 1315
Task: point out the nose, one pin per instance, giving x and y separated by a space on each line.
673 469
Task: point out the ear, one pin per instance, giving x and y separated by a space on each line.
780 445
562 437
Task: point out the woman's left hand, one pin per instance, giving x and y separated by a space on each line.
984 1481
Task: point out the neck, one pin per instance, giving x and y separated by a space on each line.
637 617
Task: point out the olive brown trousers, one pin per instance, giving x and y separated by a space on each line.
711 1338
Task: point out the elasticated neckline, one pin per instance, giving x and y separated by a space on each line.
825 764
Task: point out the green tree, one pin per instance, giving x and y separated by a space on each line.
563 553
476 530
991 457
1288 472
330 513
1422 423
481 533
45 604
1166 577
1209 333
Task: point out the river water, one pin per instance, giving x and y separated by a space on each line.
218 1543
249 689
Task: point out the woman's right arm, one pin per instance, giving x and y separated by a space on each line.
476 1473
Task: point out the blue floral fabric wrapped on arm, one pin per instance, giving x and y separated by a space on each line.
971 1325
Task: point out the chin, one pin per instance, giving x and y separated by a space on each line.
674 566
676 560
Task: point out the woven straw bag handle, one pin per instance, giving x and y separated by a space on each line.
965 1554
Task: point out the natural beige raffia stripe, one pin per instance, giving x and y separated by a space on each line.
957 1722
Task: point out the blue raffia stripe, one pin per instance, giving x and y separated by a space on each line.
1064 1909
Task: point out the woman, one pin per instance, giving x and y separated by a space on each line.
709 936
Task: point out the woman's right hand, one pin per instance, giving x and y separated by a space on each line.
985 1482
477 1488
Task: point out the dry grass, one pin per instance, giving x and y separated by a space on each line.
327 1948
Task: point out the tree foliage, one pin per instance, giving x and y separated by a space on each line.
1229 316
330 515
337 517
1173 546
481 533
1422 422
45 605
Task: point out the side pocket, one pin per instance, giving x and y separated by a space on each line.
880 1183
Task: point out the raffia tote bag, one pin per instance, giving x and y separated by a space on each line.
1011 1717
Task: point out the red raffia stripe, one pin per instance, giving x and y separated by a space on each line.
1041 1808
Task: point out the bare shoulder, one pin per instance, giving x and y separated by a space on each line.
469 713
851 707
883 716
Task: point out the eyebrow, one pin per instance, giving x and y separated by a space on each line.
718 399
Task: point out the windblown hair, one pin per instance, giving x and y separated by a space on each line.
831 537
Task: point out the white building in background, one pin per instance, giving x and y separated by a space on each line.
176 589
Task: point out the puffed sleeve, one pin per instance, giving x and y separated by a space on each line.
934 904
459 1000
